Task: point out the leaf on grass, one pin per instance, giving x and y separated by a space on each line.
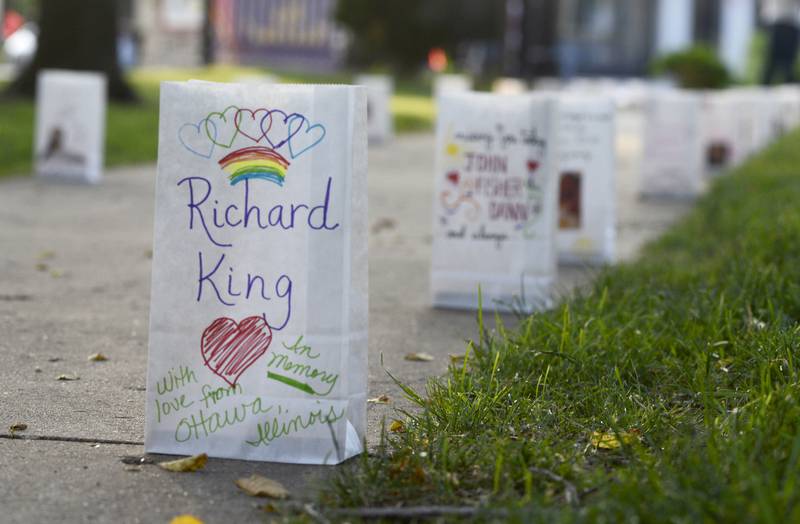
185 465
397 426
185 519
98 357
64 376
457 359
258 486
383 399
19 426
611 440
419 357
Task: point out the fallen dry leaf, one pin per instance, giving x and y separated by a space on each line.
56 273
185 465
611 440
46 255
185 519
258 486
98 357
383 399
41 266
457 359
419 357
68 377
397 426
19 426
383 223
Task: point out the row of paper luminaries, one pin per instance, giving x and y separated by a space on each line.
521 182
259 314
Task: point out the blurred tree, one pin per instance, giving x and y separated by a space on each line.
80 35
399 33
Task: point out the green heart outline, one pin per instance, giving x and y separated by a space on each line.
224 119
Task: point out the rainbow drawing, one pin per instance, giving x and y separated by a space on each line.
255 163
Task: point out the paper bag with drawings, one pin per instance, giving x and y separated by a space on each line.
258 327
494 202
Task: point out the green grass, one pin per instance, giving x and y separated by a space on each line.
689 356
132 130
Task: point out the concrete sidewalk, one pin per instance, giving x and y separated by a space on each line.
74 280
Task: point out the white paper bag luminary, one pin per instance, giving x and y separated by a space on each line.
509 86
672 161
258 326
70 126
722 143
494 203
379 111
446 84
585 170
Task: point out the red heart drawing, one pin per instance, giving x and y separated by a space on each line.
533 165
249 125
229 348
453 177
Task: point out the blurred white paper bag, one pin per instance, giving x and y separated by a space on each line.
258 326
585 168
70 125
379 112
449 84
494 202
672 160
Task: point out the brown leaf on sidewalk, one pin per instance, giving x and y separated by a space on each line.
383 224
185 519
66 377
98 357
185 465
41 266
419 357
18 426
383 399
258 486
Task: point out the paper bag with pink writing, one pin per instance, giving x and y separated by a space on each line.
258 326
494 203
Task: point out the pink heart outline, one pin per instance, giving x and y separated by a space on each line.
237 120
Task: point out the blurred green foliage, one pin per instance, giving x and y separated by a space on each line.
697 67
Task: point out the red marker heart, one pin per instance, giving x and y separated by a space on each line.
453 177
229 348
533 165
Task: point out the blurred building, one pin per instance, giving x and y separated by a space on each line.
621 37
286 34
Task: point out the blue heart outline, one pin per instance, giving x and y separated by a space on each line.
309 127
205 122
